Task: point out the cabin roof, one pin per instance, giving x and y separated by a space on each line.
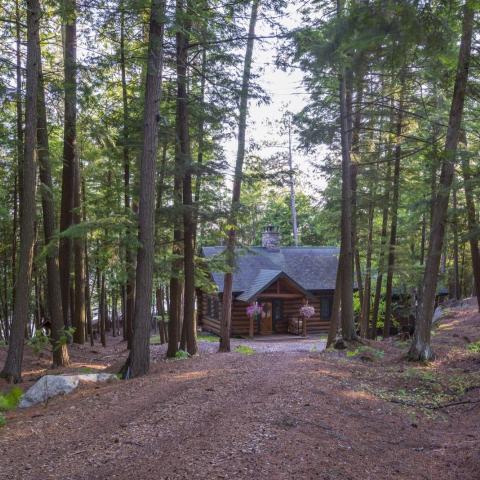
312 268
263 280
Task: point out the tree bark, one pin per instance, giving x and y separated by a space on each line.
54 298
225 324
19 166
472 224
395 201
79 320
13 364
381 259
184 162
138 362
346 253
456 267
69 151
129 257
420 348
293 206
365 311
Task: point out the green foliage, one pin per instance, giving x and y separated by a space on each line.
182 355
9 401
474 347
366 352
39 342
244 350
207 337
66 336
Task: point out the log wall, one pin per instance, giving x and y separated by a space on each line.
241 322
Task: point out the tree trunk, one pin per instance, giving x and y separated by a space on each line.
79 320
175 283
129 257
201 144
346 253
293 206
184 162
225 324
395 201
54 298
381 259
365 311
456 268
335 316
102 309
69 151
420 348
138 362
472 224
18 176
88 299
13 365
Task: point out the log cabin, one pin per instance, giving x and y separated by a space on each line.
281 280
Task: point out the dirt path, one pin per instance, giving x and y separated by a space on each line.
289 415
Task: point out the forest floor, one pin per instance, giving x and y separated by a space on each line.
362 414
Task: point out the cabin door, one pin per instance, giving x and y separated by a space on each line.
266 319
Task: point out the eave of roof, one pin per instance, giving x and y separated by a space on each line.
265 279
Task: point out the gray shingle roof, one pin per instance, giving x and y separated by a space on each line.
261 282
313 268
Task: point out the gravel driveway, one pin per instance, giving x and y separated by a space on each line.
268 344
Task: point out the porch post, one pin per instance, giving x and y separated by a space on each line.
250 328
304 323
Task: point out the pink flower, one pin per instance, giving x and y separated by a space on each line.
254 309
307 311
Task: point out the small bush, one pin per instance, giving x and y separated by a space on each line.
39 342
182 355
244 350
9 401
474 347
66 336
366 351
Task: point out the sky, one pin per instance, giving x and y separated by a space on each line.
286 91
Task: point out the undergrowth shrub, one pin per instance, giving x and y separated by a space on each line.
474 347
245 350
181 355
9 401
39 342
365 350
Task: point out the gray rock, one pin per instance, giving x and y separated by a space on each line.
50 386
437 315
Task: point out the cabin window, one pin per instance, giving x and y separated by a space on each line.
325 307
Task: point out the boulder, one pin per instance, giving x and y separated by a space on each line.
50 386
437 315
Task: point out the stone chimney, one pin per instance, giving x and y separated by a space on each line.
271 238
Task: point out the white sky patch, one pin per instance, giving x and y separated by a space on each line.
286 92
